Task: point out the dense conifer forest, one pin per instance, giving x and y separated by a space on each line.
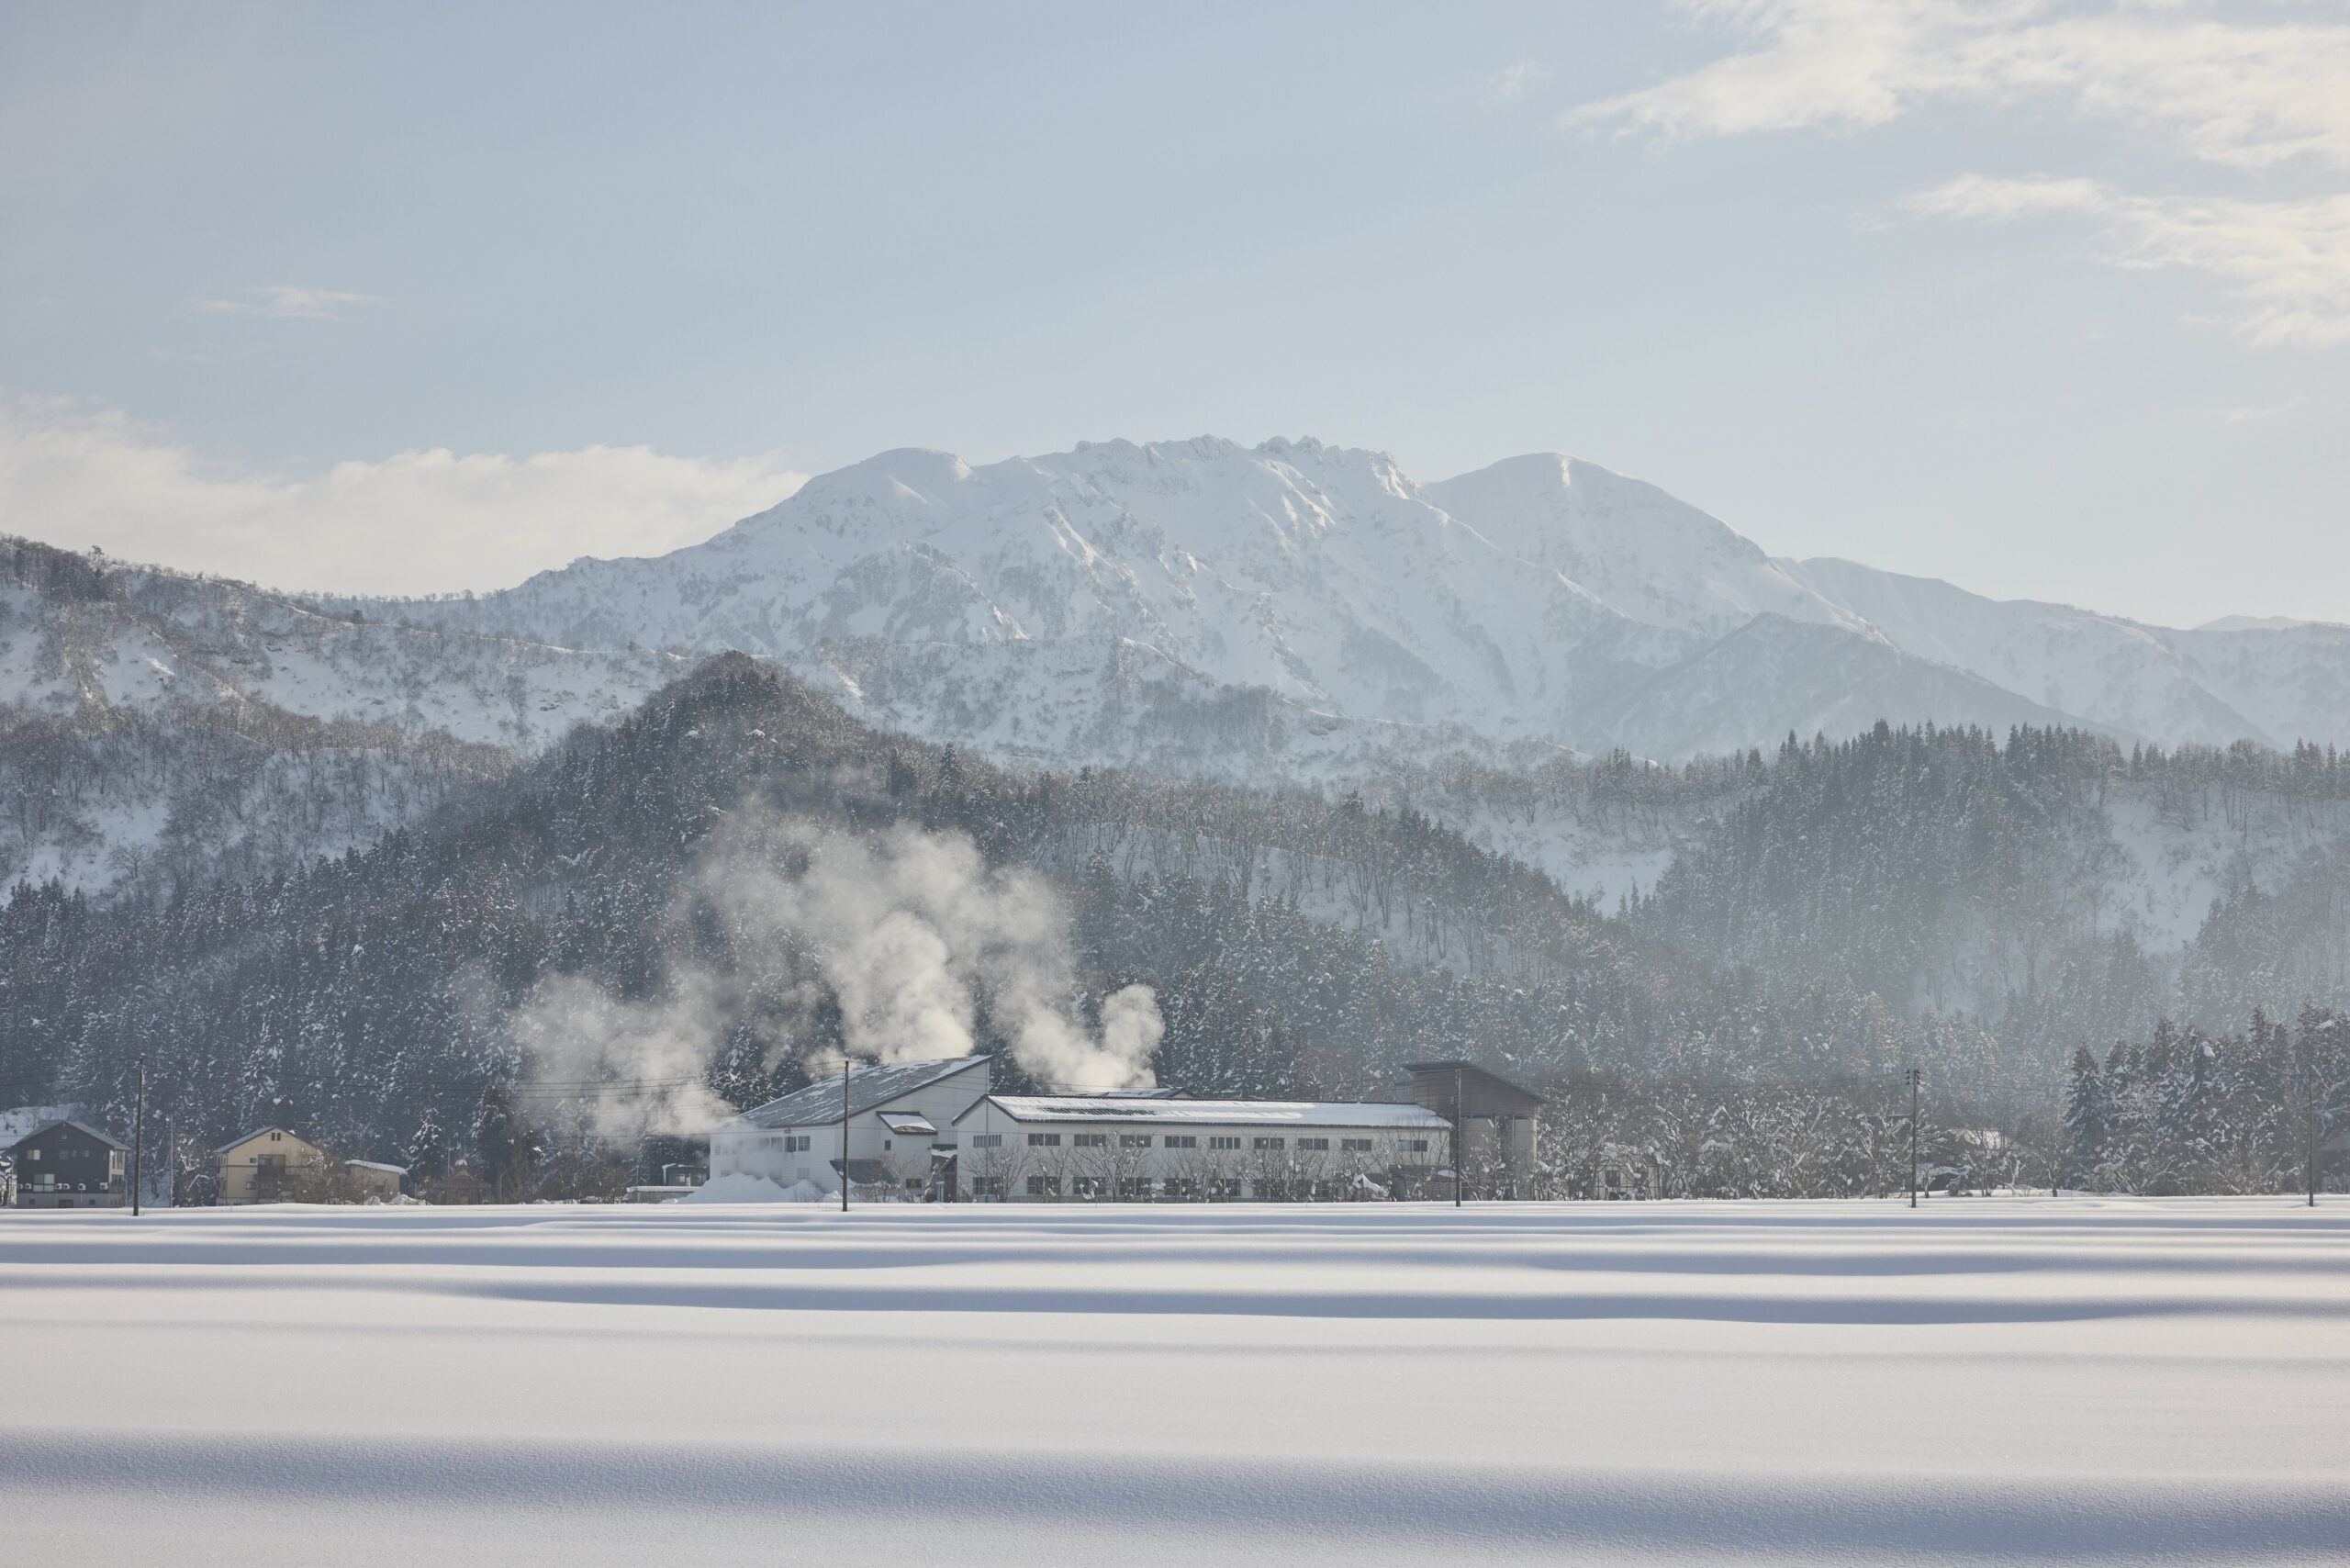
1896 900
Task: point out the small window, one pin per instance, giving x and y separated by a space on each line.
1087 1140
33 1155
1317 1144
1182 1140
1415 1146
1042 1140
1045 1186
1133 1140
1355 1144
1218 1142
1272 1143
987 1140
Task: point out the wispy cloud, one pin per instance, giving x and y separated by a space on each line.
414 522
2253 416
287 300
2253 95
1513 82
2285 263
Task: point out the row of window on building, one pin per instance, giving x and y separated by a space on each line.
1174 1189
1189 1140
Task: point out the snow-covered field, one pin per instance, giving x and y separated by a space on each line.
1983 1381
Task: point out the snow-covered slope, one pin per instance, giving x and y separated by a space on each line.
1772 677
190 727
1541 600
78 637
1636 549
1320 575
2277 683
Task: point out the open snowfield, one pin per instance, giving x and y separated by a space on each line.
1983 1381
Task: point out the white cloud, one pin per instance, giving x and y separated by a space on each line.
2264 411
286 300
2251 95
1512 81
2286 263
1998 201
415 522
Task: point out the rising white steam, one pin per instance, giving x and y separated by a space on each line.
911 933
636 1067
911 929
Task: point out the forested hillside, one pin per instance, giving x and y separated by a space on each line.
1294 944
1828 916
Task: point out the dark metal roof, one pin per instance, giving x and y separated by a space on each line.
819 1105
77 1126
1472 1066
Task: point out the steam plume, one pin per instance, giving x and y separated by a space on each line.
908 930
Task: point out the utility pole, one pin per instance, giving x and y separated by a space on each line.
1913 1138
1460 1137
139 1136
845 1067
2314 1123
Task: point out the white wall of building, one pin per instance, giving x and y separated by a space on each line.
1181 1151
789 1155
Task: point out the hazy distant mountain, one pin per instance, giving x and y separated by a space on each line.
1542 600
1291 611
2276 682
155 726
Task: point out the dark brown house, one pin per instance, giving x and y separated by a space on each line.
71 1165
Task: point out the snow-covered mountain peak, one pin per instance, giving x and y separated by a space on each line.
1646 554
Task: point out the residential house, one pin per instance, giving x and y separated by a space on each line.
71 1165
263 1167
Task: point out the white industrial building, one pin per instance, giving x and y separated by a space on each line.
899 1118
933 1129
1138 1149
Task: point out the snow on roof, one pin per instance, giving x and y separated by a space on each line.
1205 1113
377 1165
819 1105
904 1121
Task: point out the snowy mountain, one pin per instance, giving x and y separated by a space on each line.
1541 600
196 728
1287 612
2276 682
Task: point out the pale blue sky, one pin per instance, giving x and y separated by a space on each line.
1720 246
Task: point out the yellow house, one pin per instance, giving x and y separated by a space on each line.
263 1167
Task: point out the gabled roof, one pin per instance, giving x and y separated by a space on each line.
869 1088
260 1132
1211 1112
83 1128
